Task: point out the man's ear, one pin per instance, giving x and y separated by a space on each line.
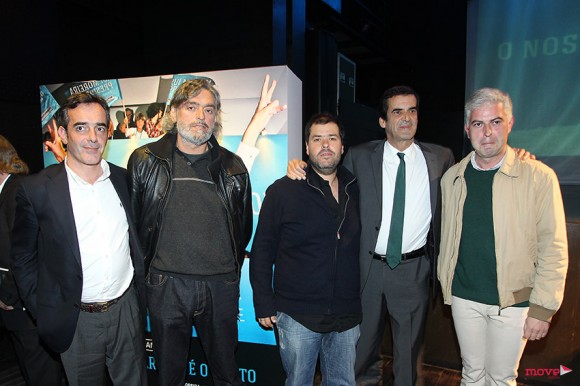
511 124
173 114
382 122
62 133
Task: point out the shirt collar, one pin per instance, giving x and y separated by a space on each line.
496 166
79 180
4 182
409 152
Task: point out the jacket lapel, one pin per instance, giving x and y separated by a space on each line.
59 195
431 160
377 171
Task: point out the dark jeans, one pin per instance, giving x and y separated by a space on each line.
212 306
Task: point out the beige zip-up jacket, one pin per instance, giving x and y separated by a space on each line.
531 245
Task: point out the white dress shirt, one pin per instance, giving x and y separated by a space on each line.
248 154
2 187
102 232
417 198
4 183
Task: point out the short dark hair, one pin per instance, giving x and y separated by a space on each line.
392 92
154 109
74 100
322 119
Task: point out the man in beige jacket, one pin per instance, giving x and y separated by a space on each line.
504 253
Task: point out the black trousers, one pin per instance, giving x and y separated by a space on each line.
175 303
39 365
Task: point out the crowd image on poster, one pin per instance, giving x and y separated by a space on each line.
139 107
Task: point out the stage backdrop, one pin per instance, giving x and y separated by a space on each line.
531 50
240 90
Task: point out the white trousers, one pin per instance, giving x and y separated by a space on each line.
491 341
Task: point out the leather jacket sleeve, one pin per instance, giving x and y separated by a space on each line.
247 212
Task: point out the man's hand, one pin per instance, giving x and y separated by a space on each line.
56 148
265 110
268 322
55 143
295 169
535 329
5 307
523 154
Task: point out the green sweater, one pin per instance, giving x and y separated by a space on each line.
476 270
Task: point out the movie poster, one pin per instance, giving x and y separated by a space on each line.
138 106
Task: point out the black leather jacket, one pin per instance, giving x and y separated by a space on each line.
150 179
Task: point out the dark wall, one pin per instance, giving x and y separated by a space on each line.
58 41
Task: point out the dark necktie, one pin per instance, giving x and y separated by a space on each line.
395 243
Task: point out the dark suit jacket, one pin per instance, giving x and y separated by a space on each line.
365 162
46 256
8 293
17 319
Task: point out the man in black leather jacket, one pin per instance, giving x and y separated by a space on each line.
192 203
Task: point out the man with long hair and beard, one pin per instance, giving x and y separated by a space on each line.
192 203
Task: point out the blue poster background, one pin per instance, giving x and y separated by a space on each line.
48 105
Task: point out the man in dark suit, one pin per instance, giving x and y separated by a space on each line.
401 290
76 258
39 365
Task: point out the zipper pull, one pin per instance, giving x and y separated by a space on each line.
338 235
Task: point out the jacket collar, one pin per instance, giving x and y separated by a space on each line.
511 166
220 157
165 146
344 176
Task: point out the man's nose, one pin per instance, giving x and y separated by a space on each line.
92 134
200 114
487 130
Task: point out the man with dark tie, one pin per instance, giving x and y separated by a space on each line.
400 214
